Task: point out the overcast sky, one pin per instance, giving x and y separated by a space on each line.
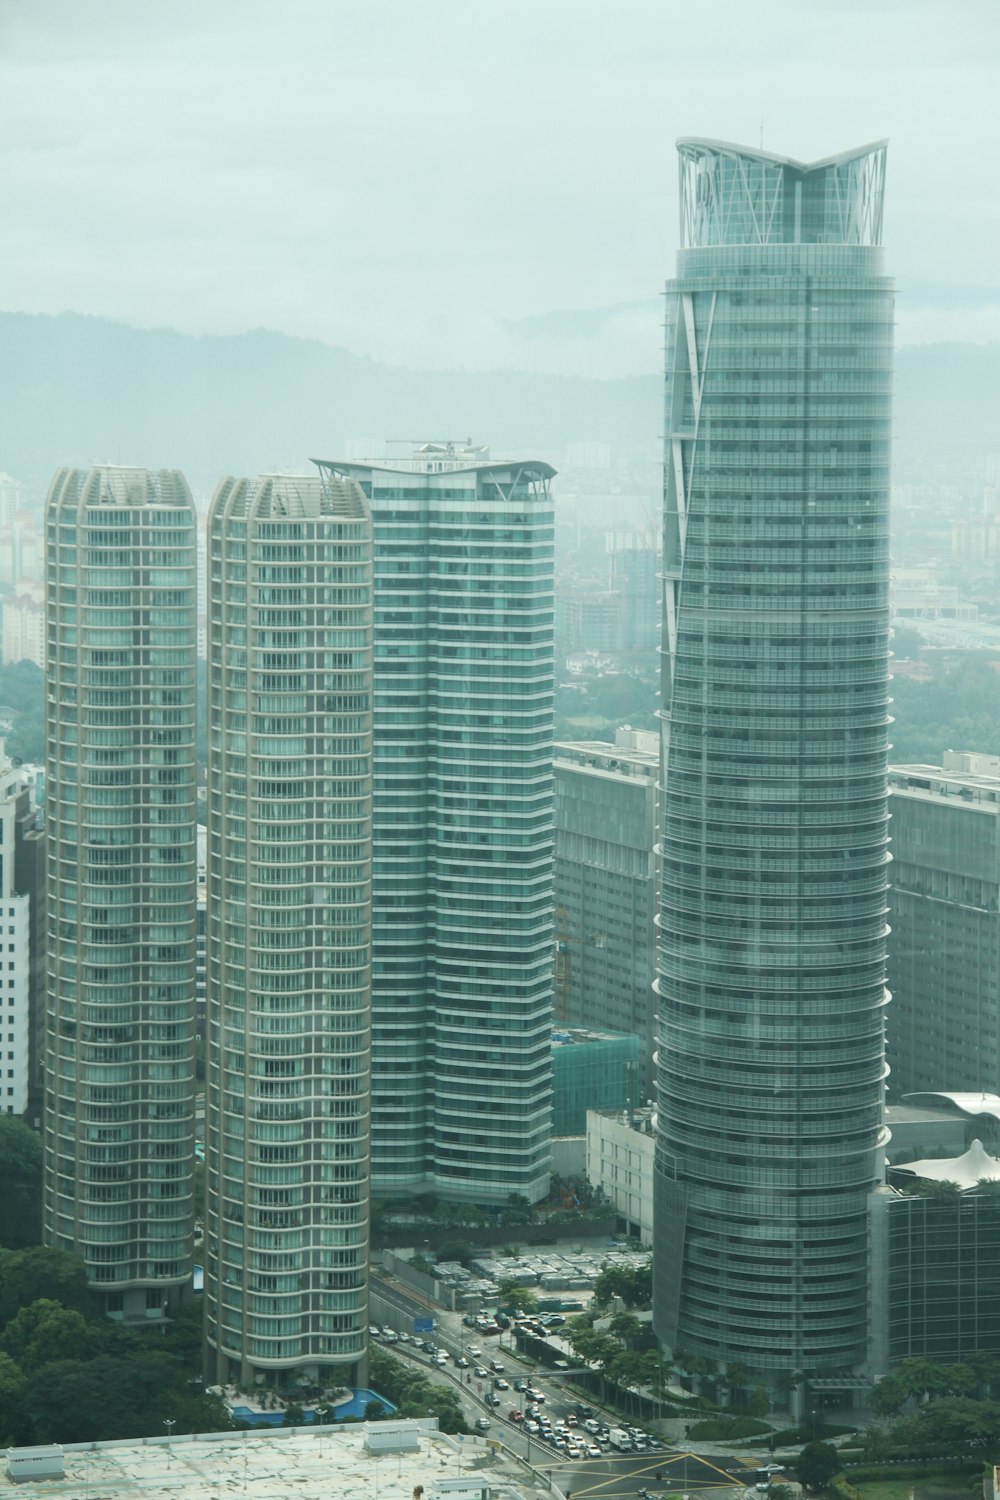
414 178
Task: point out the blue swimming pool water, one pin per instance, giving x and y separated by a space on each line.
353 1408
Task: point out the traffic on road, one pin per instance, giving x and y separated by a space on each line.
565 1437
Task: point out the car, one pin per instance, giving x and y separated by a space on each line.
469 1321
570 1419
441 1357
481 1373
533 1393
404 1337
559 1443
592 1424
474 1351
374 1331
390 1335
514 1415
462 1362
502 1321
499 1384
482 1424
496 1367
773 1469
593 1451
520 1385
530 1425
492 1399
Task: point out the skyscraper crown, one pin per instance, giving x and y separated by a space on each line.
734 195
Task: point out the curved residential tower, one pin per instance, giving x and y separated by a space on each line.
775 630
289 930
121 621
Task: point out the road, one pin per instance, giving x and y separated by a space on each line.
614 1475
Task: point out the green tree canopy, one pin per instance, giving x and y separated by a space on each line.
44 1332
817 1464
21 1175
27 1275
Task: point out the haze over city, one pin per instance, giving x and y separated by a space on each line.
500 748
465 185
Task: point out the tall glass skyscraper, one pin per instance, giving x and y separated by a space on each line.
775 632
288 929
121 791
462 988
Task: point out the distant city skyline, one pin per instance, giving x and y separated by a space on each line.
477 187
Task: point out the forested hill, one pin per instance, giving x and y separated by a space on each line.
81 390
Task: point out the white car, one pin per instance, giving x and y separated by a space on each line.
441 1357
593 1451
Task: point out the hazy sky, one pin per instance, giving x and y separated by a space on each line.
412 178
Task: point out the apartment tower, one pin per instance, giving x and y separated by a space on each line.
463 835
775 665
120 823
288 938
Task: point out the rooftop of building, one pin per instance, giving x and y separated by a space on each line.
445 457
963 774
568 1036
707 144
968 1171
960 1103
635 752
312 1463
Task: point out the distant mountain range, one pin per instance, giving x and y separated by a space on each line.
80 390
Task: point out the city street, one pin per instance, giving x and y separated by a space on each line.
661 1471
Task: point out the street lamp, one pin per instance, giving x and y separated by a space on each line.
169 1423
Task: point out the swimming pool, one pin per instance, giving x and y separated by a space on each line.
353 1408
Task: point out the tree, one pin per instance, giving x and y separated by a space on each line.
888 1397
758 1405
44 1332
21 1175
27 1275
12 1383
633 1284
817 1464
374 1411
625 1326
294 1415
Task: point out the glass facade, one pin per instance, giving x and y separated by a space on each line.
771 970
462 986
288 929
944 948
944 1276
120 822
605 882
